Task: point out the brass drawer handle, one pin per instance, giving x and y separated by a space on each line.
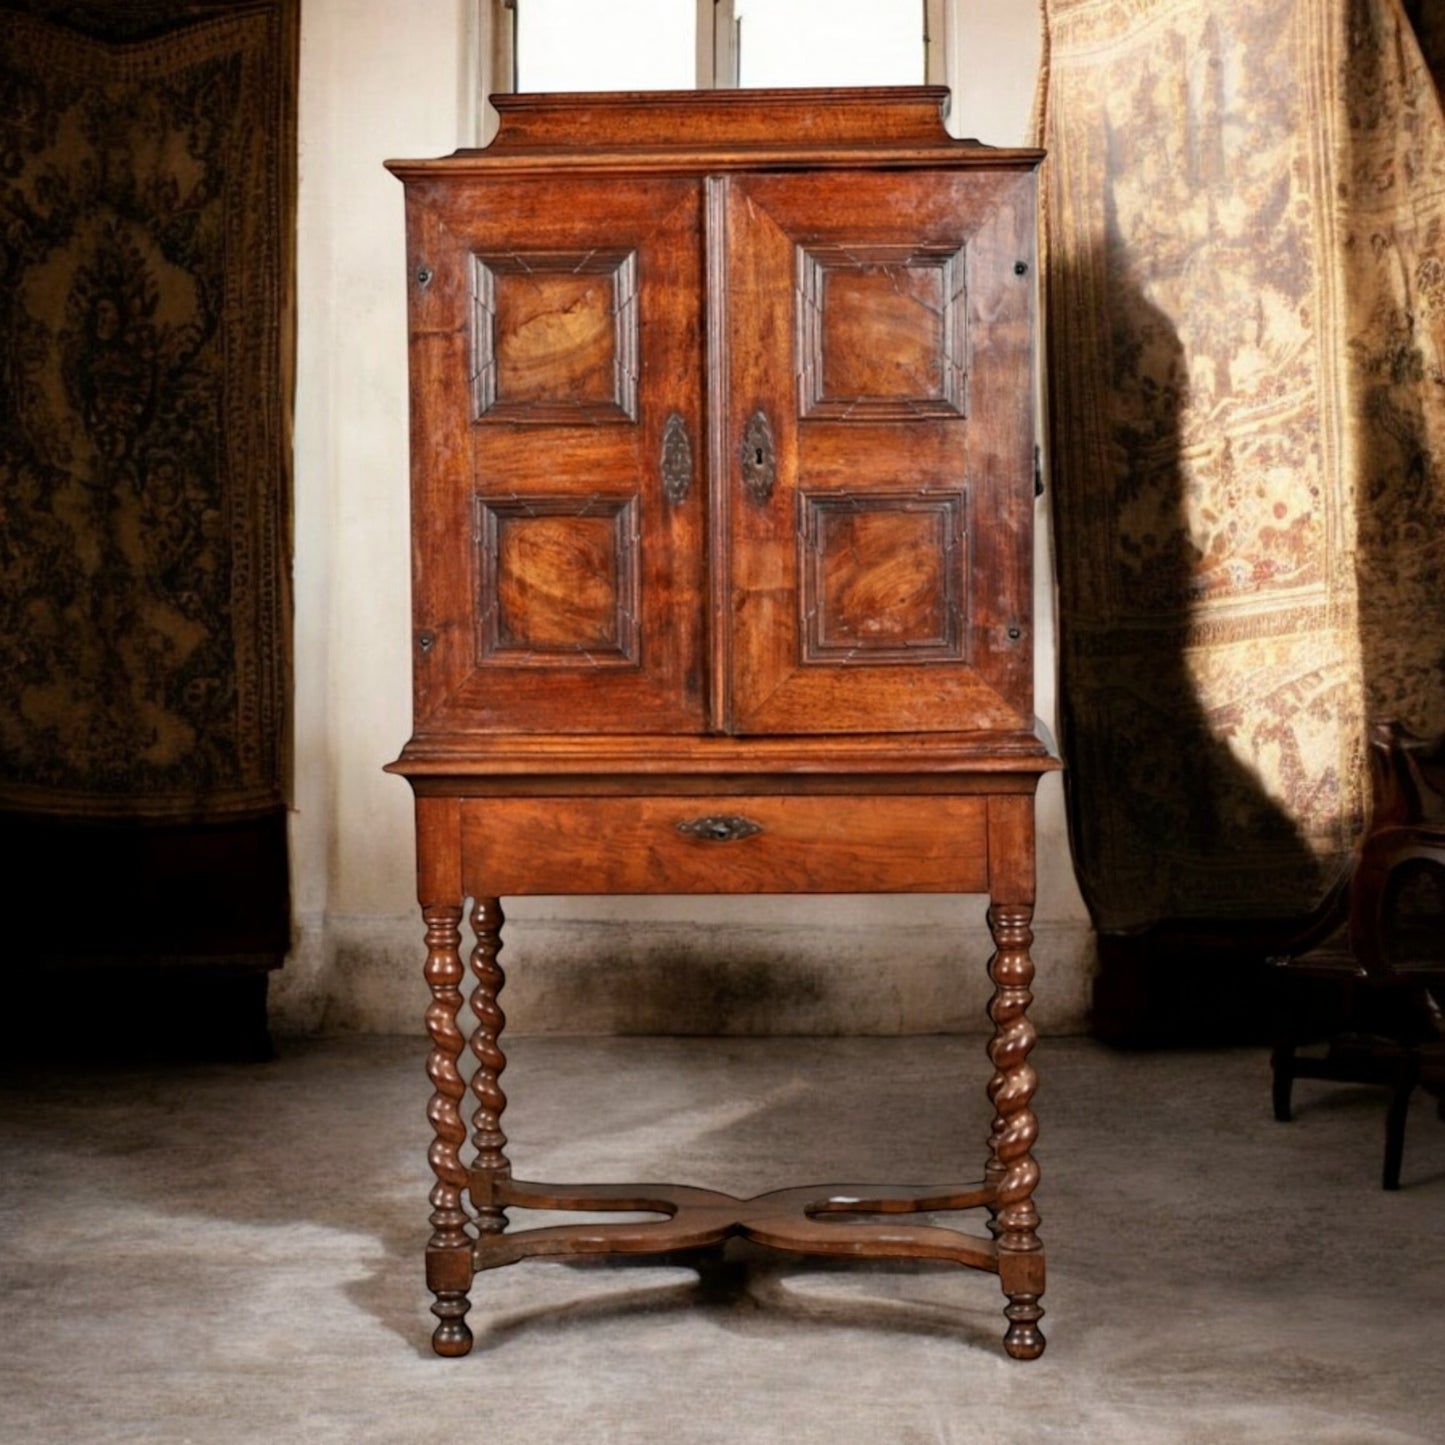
719 828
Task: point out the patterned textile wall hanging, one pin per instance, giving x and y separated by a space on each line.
1245 238
147 194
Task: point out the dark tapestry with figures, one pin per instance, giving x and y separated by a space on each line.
147 206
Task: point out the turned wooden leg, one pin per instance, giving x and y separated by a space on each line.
993 1169
490 1165
1281 1063
449 1250
1011 1163
1405 1081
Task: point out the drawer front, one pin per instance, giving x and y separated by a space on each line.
726 844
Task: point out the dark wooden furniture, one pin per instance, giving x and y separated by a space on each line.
1369 974
197 918
723 486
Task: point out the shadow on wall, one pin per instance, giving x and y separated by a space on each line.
1191 870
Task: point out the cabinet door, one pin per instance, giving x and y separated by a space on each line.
877 451
558 497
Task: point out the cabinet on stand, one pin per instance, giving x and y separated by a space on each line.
722 498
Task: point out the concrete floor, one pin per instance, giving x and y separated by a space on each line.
232 1254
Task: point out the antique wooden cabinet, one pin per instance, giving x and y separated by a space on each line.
722 495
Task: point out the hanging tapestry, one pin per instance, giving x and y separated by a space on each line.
1245 245
147 212
147 190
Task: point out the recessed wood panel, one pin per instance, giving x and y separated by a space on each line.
555 337
558 581
882 332
882 578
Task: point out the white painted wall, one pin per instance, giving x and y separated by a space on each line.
381 80
377 80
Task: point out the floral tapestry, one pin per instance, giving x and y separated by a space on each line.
1245 311
147 183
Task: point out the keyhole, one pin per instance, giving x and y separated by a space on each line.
758 457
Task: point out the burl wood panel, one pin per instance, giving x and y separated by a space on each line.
558 580
882 331
555 337
801 845
882 578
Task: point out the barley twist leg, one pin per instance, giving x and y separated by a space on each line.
1011 1162
449 1250
490 1167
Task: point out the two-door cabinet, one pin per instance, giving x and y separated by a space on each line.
722 495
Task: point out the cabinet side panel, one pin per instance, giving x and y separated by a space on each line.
440 452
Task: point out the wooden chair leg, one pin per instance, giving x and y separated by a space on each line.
1399 1111
1281 1062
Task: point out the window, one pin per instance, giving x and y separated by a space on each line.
542 45
594 45
829 42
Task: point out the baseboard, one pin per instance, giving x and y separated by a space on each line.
603 976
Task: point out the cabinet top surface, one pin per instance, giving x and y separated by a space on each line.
897 125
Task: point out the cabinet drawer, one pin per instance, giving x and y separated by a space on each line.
725 844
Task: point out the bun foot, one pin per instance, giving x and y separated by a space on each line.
452 1339
1024 1339
451 1336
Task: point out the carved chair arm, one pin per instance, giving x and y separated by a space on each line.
1390 860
